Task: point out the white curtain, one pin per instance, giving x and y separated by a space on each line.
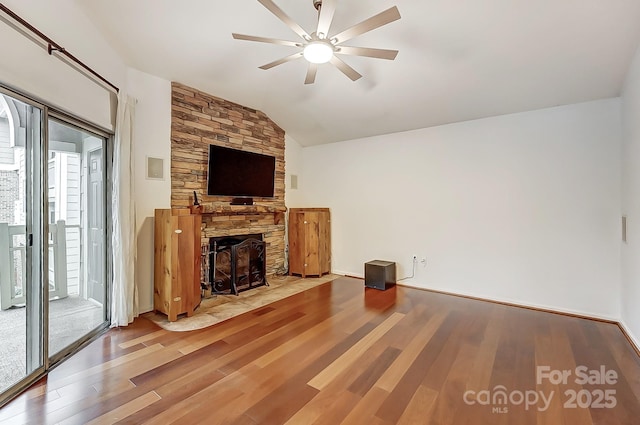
124 296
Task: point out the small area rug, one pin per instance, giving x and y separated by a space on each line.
222 307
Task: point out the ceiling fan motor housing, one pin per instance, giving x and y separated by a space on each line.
317 4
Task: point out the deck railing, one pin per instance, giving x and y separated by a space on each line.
13 263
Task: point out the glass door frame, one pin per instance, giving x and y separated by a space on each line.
36 261
37 230
80 125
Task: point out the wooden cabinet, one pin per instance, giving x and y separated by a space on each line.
176 262
309 241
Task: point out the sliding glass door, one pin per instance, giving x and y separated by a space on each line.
53 245
21 247
76 252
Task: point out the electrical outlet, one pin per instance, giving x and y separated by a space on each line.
423 260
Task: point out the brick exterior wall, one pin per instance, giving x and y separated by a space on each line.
198 120
9 190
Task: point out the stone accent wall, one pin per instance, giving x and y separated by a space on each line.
199 119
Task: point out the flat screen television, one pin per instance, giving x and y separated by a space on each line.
240 174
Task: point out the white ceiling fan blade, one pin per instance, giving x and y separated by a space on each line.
265 40
382 18
281 61
327 9
311 73
346 69
273 8
369 52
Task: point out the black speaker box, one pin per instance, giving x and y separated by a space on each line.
379 274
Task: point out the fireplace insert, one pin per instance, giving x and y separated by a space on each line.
237 263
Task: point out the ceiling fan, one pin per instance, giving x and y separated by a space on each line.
318 47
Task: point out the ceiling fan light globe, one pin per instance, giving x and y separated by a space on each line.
318 52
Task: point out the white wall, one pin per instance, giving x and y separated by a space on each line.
152 139
522 208
293 166
631 201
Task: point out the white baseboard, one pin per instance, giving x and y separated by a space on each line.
349 274
515 303
145 309
630 336
518 303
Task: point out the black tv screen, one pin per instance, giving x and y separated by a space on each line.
233 172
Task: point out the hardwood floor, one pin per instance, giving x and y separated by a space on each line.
341 354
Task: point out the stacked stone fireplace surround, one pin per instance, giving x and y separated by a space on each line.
198 120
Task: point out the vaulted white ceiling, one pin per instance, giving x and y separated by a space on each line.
458 60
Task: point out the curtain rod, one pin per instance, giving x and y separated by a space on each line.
52 46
